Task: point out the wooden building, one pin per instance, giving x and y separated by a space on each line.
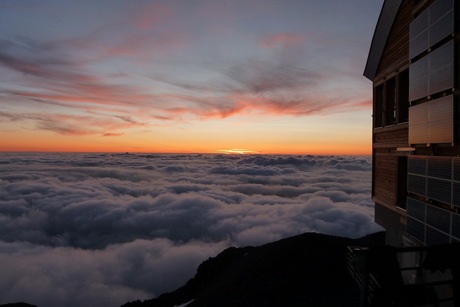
414 65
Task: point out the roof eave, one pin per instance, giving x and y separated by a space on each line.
385 22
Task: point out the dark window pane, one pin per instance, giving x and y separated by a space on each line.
378 106
390 101
403 96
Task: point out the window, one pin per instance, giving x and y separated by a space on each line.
378 106
391 101
403 97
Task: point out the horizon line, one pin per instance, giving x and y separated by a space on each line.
191 153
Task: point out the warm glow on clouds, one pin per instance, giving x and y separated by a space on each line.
145 75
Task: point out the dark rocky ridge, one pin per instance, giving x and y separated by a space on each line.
304 270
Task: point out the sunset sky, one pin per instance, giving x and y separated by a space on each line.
263 76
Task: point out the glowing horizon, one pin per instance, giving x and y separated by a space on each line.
322 151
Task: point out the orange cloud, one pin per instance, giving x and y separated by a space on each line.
113 134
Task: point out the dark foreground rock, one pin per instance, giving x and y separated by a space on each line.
305 270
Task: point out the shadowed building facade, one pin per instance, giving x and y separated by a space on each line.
414 65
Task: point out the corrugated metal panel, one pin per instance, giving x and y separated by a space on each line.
418 79
441 79
417 165
456 175
416 184
418 134
442 28
456 225
416 229
456 169
440 167
439 132
418 33
416 209
441 109
456 194
418 124
439 8
431 26
434 236
430 224
440 190
442 56
438 218
434 177
433 73
441 68
441 20
439 122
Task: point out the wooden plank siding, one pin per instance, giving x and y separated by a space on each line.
385 174
396 52
395 135
386 140
390 130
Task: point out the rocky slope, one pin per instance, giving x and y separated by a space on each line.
305 270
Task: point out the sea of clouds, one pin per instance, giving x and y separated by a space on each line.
91 229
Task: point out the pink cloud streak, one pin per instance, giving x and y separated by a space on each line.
285 40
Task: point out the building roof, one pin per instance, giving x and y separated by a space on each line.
382 30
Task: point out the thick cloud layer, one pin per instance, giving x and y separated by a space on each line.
103 229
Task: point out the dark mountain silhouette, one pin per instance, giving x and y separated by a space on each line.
304 270
17 305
